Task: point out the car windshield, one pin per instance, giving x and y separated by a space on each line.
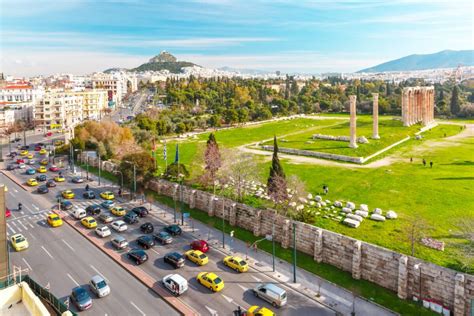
81 294
101 284
217 280
202 256
164 235
19 239
242 263
91 221
55 218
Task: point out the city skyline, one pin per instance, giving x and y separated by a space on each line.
306 37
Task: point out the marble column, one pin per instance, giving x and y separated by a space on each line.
424 106
405 107
353 124
375 116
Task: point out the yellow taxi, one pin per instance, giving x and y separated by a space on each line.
32 182
43 152
197 256
41 169
6 188
54 220
68 194
44 162
59 179
89 222
259 311
118 211
19 242
24 153
30 156
236 263
107 195
211 281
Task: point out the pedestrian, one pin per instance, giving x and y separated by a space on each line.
87 187
444 134
431 164
120 192
411 159
424 162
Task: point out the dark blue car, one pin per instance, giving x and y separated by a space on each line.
81 298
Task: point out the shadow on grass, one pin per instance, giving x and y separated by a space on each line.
460 163
456 178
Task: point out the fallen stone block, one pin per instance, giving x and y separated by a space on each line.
351 222
318 198
355 217
362 213
346 210
378 211
364 207
391 215
350 205
337 204
377 217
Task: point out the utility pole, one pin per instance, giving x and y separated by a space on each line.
182 198
223 224
87 166
294 252
99 167
134 181
24 135
273 243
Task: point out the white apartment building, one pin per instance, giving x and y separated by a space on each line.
19 97
59 110
94 103
7 117
116 84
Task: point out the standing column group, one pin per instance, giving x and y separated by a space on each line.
417 105
375 116
353 124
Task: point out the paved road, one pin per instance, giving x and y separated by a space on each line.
237 290
62 258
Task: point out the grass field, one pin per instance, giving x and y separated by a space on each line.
442 196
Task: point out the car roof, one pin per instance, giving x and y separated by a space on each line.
211 275
97 279
177 278
119 222
272 287
17 235
174 254
119 238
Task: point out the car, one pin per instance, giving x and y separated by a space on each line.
141 211
77 180
99 286
11 167
236 263
22 166
175 259
25 147
37 148
88 195
20 161
173 229
175 283
8 213
48 134
24 153
68 194
31 162
271 293
54 220
118 211
107 204
30 156
42 169
81 298
40 144
89 222
41 177
147 228
44 162
19 242
259 311
32 182
43 151
30 171
138 256
53 168
210 280
93 209
200 245
119 226
50 183
103 231
131 218
146 241
119 242
163 237
66 205
12 154
107 195
197 257
105 218
43 189
59 179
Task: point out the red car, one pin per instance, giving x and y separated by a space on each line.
20 161
53 168
37 148
8 213
48 134
200 245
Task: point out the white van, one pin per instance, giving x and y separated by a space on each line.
175 283
271 293
79 213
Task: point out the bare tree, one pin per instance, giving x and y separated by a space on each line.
415 230
212 159
465 230
241 167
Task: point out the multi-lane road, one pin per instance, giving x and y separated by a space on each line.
62 258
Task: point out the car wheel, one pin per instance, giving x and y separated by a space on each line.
213 289
255 293
274 304
137 262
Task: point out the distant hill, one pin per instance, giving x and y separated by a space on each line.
443 59
163 61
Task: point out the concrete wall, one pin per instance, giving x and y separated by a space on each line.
397 272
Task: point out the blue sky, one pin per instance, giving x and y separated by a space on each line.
80 36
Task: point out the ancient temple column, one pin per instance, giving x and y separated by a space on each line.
410 107
375 116
424 106
405 107
353 137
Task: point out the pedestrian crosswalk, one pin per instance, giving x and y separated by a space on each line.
25 222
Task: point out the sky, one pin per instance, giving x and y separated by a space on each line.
292 36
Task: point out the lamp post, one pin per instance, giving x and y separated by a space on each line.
80 155
121 178
87 166
134 177
181 197
273 241
294 252
99 167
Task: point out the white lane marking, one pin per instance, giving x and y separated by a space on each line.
31 225
256 279
11 229
22 212
133 304
13 194
243 287
36 207
154 251
47 252
27 264
69 246
14 223
21 223
75 282
98 272
16 191
32 235
228 299
211 311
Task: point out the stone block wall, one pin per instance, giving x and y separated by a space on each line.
316 154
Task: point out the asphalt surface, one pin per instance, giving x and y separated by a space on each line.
62 259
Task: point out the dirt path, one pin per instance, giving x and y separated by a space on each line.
386 161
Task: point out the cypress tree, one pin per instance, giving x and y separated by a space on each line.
276 184
454 106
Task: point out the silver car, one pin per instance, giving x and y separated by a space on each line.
99 286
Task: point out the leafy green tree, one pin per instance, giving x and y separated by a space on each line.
145 167
276 184
180 128
455 104
231 116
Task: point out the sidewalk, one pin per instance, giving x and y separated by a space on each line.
332 295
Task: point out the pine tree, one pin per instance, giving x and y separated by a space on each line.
454 106
276 184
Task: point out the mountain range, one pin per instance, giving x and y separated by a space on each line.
443 59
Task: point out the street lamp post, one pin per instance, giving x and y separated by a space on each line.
80 155
99 167
294 252
273 242
181 196
134 178
87 166
121 178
